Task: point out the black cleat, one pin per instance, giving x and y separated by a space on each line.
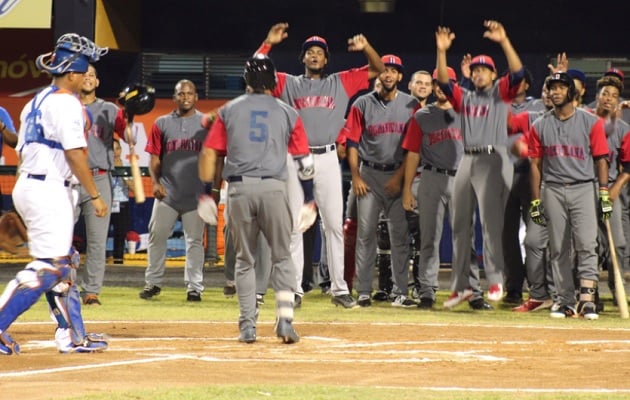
285 331
480 304
149 292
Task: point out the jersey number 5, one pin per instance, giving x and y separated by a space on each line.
258 128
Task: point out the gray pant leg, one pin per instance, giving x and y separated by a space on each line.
624 199
161 224
515 212
96 229
399 239
536 244
584 222
229 256
193 227
368 209
262 264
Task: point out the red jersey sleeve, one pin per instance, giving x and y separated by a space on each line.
154 141
507 92
624 149
456 97
354 124
217 137
120 124
354 80
298 142
413 137
518 123
535 147
342 137
599 144
281 80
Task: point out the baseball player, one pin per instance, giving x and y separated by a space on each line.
485 172
52 151
174 144
420 86
375 128
565 147
321 101
257 172
107 120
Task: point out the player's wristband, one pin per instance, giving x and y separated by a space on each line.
98 195
264 48
207 188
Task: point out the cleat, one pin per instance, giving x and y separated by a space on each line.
193 295
533 305
344 300
297 302
91 300
260 299
150 291
403 301
564 312
285 331
8 346
495 292
458 297
588 310
515 298
92 343
480 305
380 295
426 303
248 335
364 301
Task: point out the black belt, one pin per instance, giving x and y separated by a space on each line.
569 183
489 149
381 167
323 149
449 172
43 178
239 178
98 171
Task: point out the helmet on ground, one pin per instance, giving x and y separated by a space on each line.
73 53
564 78
260 73
137 99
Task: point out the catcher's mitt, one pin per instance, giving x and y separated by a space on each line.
12 232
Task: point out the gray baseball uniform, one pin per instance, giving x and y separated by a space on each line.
107 118
378 128
177 141
256 168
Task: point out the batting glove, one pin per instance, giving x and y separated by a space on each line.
537 213
605 204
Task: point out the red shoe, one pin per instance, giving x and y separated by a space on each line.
458 297
533 305
495 293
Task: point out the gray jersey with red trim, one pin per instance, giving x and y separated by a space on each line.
379 127
485 111
321 103
258 130
437 135
100 137
177 141
568 146
615 132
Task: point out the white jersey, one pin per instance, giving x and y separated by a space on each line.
62 120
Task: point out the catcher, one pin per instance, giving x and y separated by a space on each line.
52 150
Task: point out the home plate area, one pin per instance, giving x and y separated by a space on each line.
432 356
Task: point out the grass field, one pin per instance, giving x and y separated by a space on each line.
122 304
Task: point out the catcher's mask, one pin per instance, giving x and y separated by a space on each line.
73 53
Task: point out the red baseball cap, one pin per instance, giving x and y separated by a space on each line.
484 60
394 61
451 74
615 72
315 41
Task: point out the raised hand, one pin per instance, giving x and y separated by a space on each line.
444 38
277 33
494 31
562 64
357 43
465 65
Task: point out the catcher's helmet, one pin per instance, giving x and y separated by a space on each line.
260 73
72 53
137 99
564 78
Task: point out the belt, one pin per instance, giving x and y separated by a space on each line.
323 149
43 178
98 171
489 149
449 172
381 167
570 183
239 178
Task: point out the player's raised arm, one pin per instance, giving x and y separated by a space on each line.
375 64
443 40
496 32
277 33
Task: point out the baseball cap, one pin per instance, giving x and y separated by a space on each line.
315 41
394 61
615 72
484 60
451 74
577 74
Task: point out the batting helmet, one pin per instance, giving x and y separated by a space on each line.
260 73
72 53
393 61
137 99
484 60
564 78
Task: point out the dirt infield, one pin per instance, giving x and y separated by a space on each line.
178 354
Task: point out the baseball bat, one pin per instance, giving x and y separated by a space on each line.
138 188
620 291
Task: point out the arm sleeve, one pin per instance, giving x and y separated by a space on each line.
354 124
454 93
535 147
281 81
413 136
509 86
518 123
154 141
217 136
354 80
298 142
69 121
